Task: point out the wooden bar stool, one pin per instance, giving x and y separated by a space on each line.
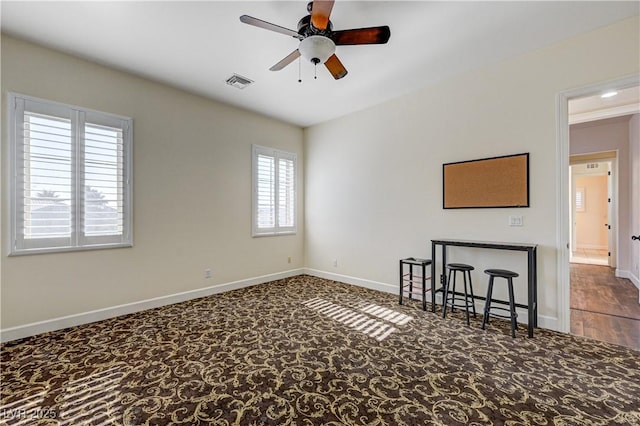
450 296
408 279
513 315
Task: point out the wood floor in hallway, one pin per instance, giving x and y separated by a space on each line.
604 307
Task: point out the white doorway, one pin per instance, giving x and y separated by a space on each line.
565 198
593 227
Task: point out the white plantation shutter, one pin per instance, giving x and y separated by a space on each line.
274 191
45 179
286 192
266 192
71 184
103 183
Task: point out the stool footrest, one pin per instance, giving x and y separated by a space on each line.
413 293
413 296
415 277
515 314
408 286
459 303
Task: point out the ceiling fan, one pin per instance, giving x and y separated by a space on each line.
318 41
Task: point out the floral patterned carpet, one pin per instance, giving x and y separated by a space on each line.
309 351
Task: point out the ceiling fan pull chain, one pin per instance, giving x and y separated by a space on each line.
315 70
299 70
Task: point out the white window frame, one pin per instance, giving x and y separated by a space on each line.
79 116
256 231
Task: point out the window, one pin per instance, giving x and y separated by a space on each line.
580 200
274 191
70 177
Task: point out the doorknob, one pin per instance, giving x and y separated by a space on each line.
635 237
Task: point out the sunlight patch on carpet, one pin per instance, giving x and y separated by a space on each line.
93 398
23 411
378 328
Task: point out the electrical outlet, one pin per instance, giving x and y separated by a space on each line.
207 273
289 259
515 221
335 263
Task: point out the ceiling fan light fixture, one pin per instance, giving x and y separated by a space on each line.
317 49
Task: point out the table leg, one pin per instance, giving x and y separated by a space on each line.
401 284
443 277
535 287
433 277
531 292
424 287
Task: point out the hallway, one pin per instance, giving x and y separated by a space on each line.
590 256
604 307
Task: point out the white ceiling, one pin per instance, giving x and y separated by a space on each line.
591 108
196 46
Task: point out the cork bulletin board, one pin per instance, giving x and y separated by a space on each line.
486 183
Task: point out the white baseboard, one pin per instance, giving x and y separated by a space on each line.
628 275
374 285
32 329
591 247
635 280
550 323
622 273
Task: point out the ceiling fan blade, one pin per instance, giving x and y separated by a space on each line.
372 35
335 67
286 61
320 11
269 26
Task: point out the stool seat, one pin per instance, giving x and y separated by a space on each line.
503 273
460 266
416 261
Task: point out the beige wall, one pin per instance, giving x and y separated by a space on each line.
590 230
192 193
373 178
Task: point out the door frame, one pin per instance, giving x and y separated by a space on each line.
563 196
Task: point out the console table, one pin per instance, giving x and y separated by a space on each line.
532 279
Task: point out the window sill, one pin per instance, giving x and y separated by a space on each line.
273 234
26 252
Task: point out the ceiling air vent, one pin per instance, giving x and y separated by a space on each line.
239 81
